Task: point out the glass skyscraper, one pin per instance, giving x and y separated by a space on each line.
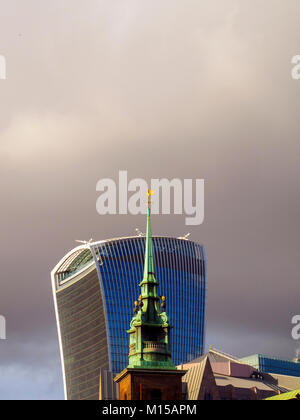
274 365
94 287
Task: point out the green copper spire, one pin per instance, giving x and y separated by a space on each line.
150 327
149 284
149 261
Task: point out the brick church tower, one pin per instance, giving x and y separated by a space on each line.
151 373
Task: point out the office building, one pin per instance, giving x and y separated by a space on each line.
275 365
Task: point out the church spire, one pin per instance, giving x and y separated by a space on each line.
149 273
149 295
150 327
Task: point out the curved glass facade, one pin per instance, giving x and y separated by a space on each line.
180 267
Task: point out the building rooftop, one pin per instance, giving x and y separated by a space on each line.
293 395
224 380
233 380
81 257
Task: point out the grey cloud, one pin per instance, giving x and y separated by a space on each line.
173 89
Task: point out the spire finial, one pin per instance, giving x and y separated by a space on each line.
150 192
149 260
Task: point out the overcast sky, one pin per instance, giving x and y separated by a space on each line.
172 88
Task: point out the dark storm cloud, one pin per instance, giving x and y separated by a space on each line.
161 89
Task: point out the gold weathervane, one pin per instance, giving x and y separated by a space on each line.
150 192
